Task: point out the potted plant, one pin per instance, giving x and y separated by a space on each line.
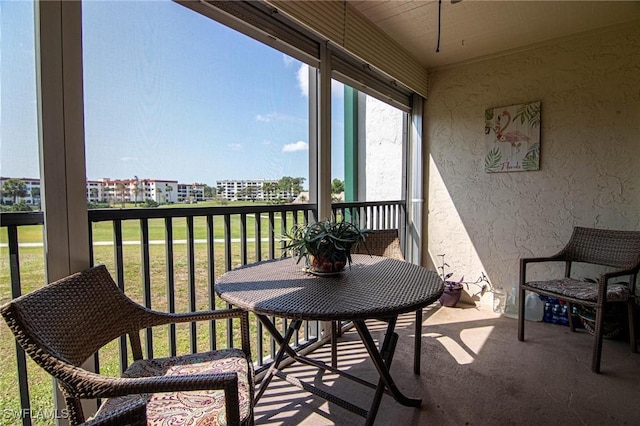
453 289
326 245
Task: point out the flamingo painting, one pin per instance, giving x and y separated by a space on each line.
508 130
514 137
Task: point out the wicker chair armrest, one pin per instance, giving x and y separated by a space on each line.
555 258
614 274
90 385
526 260
620 273
162 318
131 415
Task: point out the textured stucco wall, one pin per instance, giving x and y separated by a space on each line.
590 153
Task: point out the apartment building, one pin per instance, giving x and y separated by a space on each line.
251 190
32 192
106 190
190 193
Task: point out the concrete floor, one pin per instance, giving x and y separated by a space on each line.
474 372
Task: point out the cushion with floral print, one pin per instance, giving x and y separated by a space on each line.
583 290
196 408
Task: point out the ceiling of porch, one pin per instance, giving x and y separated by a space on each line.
474 29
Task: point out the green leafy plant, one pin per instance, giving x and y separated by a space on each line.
482 282
326 245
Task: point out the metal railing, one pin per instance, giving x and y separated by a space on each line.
168 259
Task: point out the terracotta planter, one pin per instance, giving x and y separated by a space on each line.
335 262
451 296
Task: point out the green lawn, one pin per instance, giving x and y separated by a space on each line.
32 277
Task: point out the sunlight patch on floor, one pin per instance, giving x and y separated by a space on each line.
476 337
472 338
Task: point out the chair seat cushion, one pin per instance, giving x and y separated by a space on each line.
583 290
202 407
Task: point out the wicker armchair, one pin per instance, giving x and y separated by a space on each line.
385 242
131 415
615 249
62 324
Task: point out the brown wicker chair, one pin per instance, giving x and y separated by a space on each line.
614 249
131 415
385 242
62 324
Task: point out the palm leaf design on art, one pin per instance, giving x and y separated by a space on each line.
529 113
492 160
531 161
488 119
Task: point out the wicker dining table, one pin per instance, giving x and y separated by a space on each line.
373 287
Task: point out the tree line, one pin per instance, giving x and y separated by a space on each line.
16 189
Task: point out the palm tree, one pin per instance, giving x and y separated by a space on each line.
35 194
168 189
269 188
14 188
120 187
136 190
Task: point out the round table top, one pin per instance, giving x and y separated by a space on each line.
373 287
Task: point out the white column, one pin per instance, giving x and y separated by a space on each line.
415 197
324 137
61 141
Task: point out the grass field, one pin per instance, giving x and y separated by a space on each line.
32 277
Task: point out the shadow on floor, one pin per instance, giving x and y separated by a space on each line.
474 371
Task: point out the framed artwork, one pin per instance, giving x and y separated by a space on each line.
512 136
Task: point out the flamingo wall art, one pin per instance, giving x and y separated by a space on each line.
512 135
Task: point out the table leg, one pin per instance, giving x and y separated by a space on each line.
294 326
379 362
386 352
334 343
417 343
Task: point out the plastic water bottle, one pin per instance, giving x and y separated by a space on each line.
533 308
564 317
557 312
511 308
548 312
499 299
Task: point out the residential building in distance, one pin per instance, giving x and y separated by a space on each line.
190 193
32 196
252 190
114 191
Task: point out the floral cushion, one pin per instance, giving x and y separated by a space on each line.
583 290
196 408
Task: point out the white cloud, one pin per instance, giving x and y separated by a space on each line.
272 116
288 60
235 147
295 147
337 88
303 79
277 116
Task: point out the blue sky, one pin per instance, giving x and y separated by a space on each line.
169 94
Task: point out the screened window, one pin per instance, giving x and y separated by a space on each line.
173 96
